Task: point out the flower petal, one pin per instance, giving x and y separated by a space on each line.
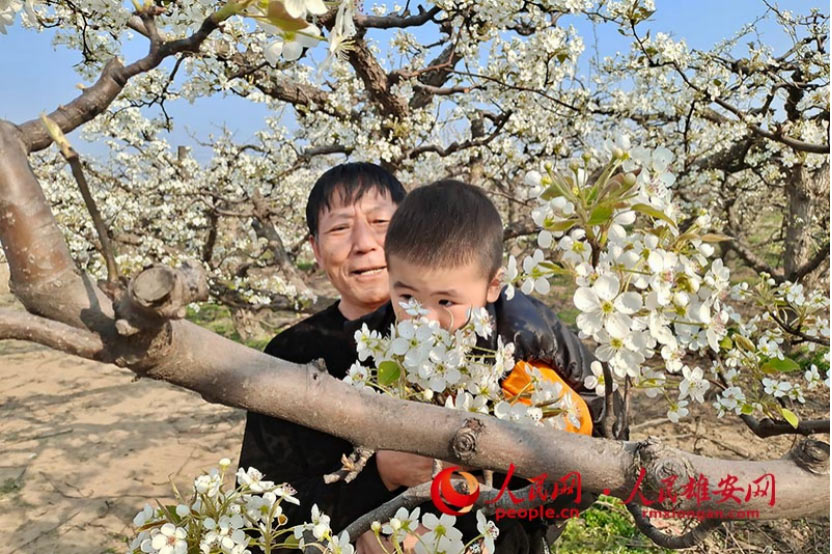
606 287
628 303
586 300
273 51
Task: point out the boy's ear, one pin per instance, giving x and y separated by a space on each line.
495 286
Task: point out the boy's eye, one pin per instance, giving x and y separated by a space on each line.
446 303
405 297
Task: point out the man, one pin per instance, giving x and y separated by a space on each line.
347 214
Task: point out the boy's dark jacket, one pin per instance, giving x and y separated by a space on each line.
284 451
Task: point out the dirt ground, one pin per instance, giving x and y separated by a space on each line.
83 446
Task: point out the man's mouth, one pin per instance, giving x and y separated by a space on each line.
369 271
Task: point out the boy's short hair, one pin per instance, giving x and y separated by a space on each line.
350 181
447 224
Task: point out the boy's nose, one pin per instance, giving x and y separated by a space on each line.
439 315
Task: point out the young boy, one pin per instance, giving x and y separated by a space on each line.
444 248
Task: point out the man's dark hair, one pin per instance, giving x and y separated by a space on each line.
447 224
350 181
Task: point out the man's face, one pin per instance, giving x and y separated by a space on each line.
350 248
446 294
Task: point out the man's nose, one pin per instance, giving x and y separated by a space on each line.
363 237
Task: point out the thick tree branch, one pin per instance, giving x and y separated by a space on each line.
96 98
767 427
375 80
396 21
22 326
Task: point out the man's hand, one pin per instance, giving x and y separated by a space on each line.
402 469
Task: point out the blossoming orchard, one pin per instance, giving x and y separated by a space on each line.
674 199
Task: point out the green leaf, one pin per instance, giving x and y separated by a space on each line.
561 225
789 416
653 212
552 192
726 343
170 511
747 409
388 372
601 214
776 365
292 542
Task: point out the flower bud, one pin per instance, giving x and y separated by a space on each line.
427 394
617 153
744 343
532 178
574 165
586 157
376 527
629 179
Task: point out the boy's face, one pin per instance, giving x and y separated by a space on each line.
447 293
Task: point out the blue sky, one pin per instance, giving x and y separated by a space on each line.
44 77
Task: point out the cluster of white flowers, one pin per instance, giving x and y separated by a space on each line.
216 521
756 365
421 361
645 286
439 534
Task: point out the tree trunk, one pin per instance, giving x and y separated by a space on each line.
805 193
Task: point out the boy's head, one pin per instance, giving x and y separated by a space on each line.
444 248
348 211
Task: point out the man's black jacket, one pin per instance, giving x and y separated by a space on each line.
286 452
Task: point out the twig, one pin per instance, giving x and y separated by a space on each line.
351 465
797 332
74 160
608 419
767 427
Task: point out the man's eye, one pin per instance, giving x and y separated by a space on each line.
338 228
381 221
